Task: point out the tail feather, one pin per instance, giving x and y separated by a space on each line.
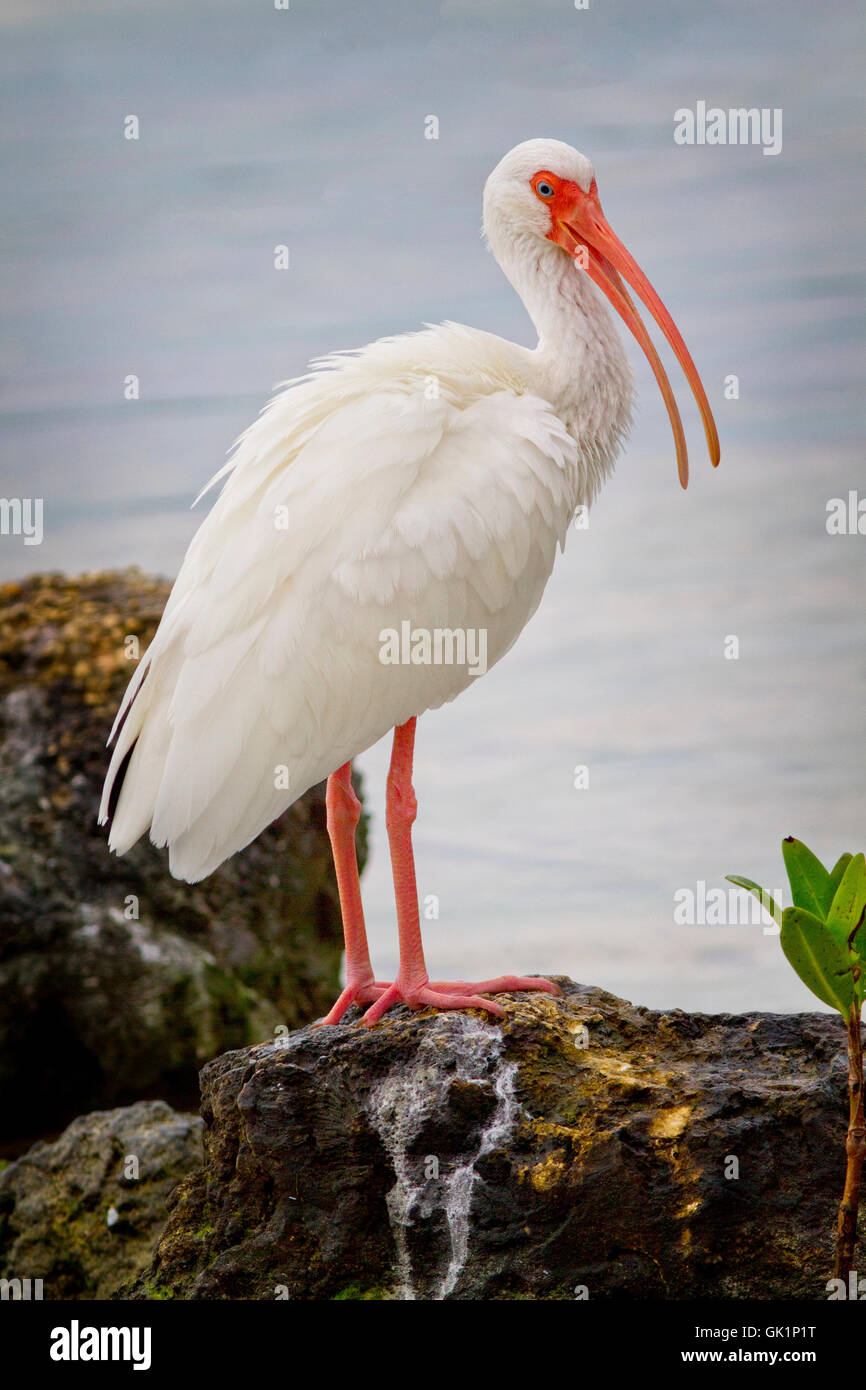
127 727
143 735
137 796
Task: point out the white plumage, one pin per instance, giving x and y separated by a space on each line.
426 478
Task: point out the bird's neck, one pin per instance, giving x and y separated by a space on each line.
579 364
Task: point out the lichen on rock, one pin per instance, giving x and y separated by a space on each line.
117 981
82 1213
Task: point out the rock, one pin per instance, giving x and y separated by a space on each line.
73 1214
584 1144
116 981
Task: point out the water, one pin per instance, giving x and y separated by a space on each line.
261 127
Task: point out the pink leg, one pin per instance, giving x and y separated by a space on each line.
344 810
412 985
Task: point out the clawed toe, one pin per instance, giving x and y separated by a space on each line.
455 994
443 997
353 994
503 984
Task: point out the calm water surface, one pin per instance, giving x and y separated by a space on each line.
259 127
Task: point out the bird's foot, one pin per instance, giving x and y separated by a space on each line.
454 994
359 992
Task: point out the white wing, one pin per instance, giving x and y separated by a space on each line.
351 508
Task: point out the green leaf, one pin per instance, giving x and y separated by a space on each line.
819 958
760 893
849 899
810 883
838 870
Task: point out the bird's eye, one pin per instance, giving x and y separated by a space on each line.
544 189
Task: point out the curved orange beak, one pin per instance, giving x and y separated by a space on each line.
581 228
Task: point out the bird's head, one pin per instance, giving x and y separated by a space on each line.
545 191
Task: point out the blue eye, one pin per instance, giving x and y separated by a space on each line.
543 189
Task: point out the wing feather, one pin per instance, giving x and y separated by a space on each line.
350 507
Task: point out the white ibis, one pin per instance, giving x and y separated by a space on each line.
396 508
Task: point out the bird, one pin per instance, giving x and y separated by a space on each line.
393 510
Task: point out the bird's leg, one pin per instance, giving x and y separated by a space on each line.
412 985
344 810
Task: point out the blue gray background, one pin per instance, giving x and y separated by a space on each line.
307 127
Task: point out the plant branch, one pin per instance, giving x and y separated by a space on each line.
855 1147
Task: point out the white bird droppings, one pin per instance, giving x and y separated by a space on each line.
456 1047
